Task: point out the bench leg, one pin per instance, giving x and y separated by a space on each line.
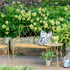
13 52
0 51
61 52
57 58
8 51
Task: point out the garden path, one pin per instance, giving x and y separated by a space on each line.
32 61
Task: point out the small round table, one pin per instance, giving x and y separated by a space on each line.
51 45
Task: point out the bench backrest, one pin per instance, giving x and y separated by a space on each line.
4 41
29 34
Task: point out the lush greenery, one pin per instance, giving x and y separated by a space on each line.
47 16
4 67
64 33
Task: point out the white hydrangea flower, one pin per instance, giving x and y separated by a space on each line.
48 14
34 14
44 22
57 22
40 12
41 21
23 15
37 19
17 10
52 22
43 15
23 18
21 6
58 28
7 33
43 10
39 28
61 19
22 11
65 8
2 15
29 11
45 25
28 15
35 28
28 19
13 2
16 16
7 28
3 26
18 2
31 20
31 26
34 23
19 17
6 22
40 9
45 18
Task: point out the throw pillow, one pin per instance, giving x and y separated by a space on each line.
45 37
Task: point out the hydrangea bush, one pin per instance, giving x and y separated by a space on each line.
18 14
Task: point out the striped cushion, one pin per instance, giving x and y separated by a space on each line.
45 37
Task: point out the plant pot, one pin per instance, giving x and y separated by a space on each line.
66 63
48 62
56 42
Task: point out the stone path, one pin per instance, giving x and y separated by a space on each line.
32 61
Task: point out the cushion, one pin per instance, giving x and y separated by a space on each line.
45 37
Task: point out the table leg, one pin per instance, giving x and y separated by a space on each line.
46 56
61 52
13 52
51 51
57 58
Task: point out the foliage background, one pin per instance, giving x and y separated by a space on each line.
48 15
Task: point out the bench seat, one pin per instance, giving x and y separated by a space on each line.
23 45
3 46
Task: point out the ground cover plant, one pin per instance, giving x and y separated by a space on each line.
4 67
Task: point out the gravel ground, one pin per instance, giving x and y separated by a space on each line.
32 61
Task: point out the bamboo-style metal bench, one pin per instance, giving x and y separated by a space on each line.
28 34
3 45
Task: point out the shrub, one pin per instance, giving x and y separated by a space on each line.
18 14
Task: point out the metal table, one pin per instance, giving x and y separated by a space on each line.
56 45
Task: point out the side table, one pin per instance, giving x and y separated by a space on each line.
56 45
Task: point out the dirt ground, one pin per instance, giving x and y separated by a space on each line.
31 61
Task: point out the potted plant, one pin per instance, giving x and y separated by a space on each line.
50 55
